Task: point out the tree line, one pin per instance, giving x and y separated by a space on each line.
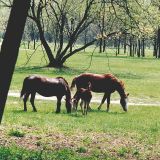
131 25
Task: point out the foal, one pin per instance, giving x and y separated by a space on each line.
85 95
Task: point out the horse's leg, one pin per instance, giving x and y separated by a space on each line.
77 103
77 100
58 104
32 101
108 102
85 107
81 105
103 100
25 101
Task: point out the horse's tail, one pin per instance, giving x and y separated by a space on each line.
73 83
23 91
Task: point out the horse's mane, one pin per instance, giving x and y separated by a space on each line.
121 84
114 78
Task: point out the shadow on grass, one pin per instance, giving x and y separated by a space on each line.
66 71
79 113
41 69
22 111
123 56
117 113
128 75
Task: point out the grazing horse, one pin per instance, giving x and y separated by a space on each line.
85 95
46 87
102 83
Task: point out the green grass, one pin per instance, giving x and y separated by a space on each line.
99 135
141 75
16 133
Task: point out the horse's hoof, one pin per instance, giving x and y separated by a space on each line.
34 110
25 110
57 111
98 108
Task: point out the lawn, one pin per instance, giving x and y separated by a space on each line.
140 75
99 135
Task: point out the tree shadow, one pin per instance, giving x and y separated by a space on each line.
51 70
117 113
19 111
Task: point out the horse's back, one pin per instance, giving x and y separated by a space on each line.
99 82
45 86
96 76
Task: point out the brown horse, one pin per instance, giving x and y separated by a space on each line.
105 83
85 95
46 87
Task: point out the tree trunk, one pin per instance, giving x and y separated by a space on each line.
155 47
125 43
143 48
28 44
139 48
104 45
52 61
118 45
158 43
10 47
130 47
34 43
100 45
85 38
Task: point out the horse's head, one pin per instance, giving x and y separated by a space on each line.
68 106
124 102
74 104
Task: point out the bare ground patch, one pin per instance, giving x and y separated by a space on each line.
85 144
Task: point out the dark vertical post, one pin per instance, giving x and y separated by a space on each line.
10 47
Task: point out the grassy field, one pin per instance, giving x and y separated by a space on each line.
141 75
111 136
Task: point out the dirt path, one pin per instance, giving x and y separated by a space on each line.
94 99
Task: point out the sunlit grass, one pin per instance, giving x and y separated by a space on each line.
99 135
129 131
141 75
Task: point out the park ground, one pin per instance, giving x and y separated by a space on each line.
99 135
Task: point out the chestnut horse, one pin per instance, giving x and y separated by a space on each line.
46 87
85 95
102 83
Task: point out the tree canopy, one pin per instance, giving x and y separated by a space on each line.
66 23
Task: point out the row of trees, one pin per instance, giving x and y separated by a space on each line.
65 23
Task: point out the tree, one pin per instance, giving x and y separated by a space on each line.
61 13
30 33
10 47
